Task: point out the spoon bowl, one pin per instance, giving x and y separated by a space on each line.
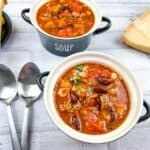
8 86
8 91
29 92
27 83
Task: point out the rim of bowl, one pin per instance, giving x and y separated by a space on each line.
90 3
132 87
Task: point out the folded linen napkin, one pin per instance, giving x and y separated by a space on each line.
137 34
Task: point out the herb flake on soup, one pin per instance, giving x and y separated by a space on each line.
65 18
92 99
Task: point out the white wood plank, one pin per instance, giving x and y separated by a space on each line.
5 142
131 59
56 140
137 139
19 25
107 40
14 9
45 134
104 42
98 1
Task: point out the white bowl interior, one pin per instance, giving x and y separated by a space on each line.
133 89
90 3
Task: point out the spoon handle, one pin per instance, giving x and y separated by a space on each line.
13 132
25 130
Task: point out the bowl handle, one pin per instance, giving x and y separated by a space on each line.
105 28
24 16
40 79
142 118
147 114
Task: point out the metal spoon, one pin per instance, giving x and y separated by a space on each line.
8 91
30 92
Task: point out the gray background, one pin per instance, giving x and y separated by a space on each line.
24 46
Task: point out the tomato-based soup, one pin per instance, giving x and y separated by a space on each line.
65 18
92 99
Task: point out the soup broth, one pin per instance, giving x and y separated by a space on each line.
92 99
65 18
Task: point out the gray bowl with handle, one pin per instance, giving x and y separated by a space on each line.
66 46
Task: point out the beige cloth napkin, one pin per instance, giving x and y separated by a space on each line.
137 34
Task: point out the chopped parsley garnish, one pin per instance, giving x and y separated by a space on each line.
76 80
79 67
79 90
90 91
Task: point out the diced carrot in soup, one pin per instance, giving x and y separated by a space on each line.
76 7
92 126
65 84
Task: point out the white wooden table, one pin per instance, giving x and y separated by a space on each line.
24 40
